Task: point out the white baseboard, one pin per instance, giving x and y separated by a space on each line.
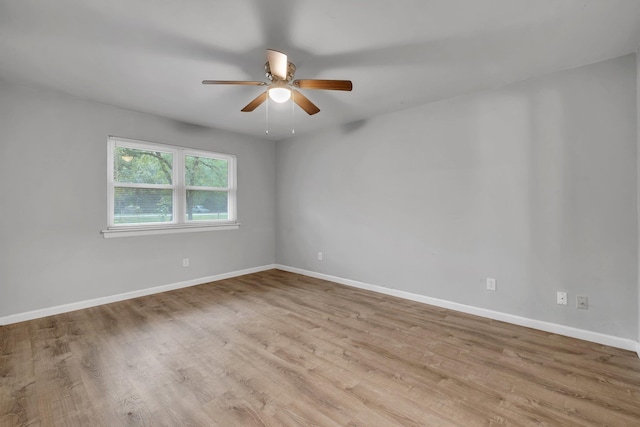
36 314
555 328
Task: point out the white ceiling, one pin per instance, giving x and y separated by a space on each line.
151 55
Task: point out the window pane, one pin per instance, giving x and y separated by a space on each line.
206 205
137 205
142 166
206 172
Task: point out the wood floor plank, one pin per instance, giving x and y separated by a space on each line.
280 349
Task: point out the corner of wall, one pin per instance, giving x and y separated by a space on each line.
638 179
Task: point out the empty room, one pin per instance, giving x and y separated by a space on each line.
336 213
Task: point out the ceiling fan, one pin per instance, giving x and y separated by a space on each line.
280 73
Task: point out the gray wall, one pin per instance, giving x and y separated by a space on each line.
534 184
53 169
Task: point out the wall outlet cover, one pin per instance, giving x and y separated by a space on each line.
582 302
561 298
491 284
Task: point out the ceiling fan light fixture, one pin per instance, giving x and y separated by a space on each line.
279 94
282 86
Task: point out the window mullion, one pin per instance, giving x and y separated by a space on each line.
180 195
139 185
198 188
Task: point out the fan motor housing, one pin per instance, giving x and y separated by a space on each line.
291 70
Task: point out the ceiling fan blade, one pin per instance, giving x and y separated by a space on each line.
324 84
232 82
303 102
278 63
255 103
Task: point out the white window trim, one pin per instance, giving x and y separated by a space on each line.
178 223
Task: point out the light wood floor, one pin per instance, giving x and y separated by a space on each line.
279 349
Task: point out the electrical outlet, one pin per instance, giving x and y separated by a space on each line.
562 298
185 262
319 256
582 302
491 284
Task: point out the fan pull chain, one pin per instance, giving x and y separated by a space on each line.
267 116
293 109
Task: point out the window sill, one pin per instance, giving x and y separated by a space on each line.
166 229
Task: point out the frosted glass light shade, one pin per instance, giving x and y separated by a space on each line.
279 94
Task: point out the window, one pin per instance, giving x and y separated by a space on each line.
162 187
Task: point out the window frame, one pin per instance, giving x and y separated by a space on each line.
179 222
